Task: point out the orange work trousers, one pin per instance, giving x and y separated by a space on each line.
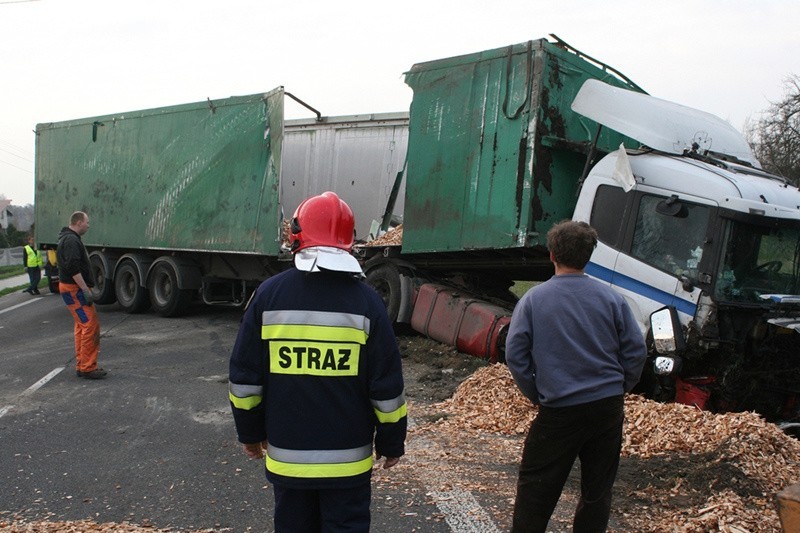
87 326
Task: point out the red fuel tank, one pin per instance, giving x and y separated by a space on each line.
471 325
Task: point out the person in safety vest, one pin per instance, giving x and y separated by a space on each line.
316 378
75 282
32 260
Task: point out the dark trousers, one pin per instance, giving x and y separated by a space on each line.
558 435
34 275
322 511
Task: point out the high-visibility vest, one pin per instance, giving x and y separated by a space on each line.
34 257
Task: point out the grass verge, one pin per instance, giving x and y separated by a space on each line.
11 271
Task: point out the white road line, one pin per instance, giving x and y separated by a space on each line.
19 305
38 385
33 388
461 510
463 513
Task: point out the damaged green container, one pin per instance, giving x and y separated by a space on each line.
495 154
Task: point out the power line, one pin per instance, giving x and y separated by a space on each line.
16 1
15 155
15 147
15 166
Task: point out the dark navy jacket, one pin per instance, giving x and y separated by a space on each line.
316 371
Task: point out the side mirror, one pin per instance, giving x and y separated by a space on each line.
666 329
672 207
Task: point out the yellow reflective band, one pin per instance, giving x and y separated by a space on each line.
319 470
300 331
314 358
394 416
250 402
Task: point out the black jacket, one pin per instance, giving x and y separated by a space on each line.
72 258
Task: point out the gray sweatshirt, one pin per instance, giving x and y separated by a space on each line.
573 340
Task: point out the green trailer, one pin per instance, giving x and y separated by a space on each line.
495 158
495 152
191 200
154 179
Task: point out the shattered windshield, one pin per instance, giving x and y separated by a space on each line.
759 260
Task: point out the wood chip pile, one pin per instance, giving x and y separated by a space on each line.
286 233
79 526
393 237
758 454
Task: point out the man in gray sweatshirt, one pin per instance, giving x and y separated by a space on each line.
573 348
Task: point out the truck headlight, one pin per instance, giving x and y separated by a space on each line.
666 365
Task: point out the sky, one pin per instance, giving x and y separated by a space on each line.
69 59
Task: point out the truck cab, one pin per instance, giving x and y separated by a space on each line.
702 231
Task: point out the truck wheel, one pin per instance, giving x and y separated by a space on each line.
385 279
104 292
166 297
132 297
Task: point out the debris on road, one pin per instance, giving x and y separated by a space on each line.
683 469
82 526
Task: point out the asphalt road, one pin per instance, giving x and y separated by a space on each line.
152 444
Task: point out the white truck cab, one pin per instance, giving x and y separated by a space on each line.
689 221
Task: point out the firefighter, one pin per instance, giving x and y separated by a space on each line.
316 378
32 260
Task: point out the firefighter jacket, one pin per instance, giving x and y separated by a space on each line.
33 257
316 372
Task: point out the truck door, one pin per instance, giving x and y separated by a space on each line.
664 245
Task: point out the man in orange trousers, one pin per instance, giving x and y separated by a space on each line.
75 282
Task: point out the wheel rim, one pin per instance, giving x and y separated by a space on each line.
384 291
128 284
163 292
99 276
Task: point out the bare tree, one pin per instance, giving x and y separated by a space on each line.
775 137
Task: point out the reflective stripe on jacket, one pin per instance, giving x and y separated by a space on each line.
316 372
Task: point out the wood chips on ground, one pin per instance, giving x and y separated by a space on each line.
80 526
765 459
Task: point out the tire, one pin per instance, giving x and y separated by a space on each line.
131 296
103 290
385 279
165 296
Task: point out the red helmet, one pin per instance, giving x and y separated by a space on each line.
324 220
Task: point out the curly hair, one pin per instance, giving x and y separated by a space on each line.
572 243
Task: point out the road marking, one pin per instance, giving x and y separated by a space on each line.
18 306
461 510
33 388
38 385
463 513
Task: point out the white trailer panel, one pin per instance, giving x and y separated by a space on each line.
358 157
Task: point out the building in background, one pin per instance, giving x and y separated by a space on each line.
6 215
